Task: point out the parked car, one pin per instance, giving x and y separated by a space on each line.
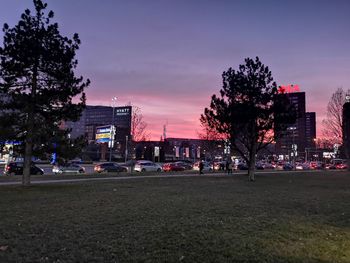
16 168
279 165
186 165
168 167
342 166
330 166
267 165
316 165
68 169
287 167
206 166
302 166
147 166
259 166
221 165
242 166
109 167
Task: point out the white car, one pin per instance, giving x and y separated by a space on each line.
206 166
68 169
147 166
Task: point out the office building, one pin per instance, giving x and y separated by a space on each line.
95 116
310 129
301 134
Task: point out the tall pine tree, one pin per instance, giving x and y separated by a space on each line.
37 80
249 111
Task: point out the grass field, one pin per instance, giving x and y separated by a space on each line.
279 218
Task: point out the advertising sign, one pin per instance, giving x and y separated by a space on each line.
177 152
187 150
105 133
156 151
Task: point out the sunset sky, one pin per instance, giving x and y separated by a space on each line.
167 57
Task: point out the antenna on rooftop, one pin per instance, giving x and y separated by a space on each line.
164 130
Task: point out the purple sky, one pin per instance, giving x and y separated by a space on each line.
167 57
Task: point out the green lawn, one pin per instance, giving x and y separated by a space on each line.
279 218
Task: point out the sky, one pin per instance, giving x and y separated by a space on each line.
167 56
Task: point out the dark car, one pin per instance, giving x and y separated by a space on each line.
168 167
109 167
186 165
242 166
15 168
330 166
288 167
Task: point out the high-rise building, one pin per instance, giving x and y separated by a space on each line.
346 129
301 134
310 129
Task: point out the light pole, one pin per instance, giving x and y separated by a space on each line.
114 99
126 147
316 151
292 129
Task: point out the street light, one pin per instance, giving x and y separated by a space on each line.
315 141
294 147
114 100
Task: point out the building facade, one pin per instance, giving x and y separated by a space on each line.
96 116
310 129
301 134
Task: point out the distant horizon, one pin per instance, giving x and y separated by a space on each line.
167 57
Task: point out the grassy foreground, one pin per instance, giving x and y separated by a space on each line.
278 218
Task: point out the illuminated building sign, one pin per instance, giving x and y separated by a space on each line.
104 133
288 88
122 111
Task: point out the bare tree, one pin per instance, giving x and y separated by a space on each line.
138 126
209 133
211 138
332 124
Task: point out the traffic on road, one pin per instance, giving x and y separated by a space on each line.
144 166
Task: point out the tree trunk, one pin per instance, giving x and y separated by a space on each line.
30 130
251 168
27 158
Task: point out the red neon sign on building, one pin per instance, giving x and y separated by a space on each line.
288 88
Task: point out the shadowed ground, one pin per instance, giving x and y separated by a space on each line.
279 218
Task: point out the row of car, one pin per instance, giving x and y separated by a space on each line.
16 168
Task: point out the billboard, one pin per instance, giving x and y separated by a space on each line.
105 133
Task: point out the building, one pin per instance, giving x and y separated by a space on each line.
173 149
346 129
310 129
95 116
301 134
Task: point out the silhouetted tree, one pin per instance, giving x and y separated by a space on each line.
333 123
249 110
66 148
37 73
